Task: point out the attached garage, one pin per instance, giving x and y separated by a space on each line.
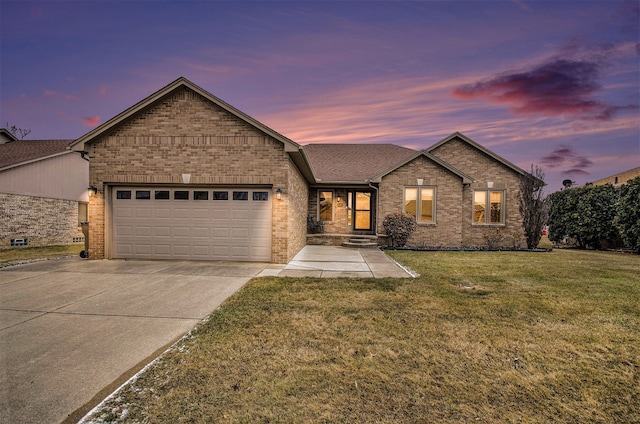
203 223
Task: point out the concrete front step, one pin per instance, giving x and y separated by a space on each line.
361 242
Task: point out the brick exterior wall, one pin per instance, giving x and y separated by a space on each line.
296 197
184 133
43 221
447 230
483 169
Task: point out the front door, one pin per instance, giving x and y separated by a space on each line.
362 210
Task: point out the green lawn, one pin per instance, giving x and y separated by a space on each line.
479 337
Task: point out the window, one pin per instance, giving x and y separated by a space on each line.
240 195
325 206
162 195
420 202
123 194
200 195
488 207
220 195
143 194
260 196
181 195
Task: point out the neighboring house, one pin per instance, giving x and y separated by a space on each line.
184 175
43 193
618 179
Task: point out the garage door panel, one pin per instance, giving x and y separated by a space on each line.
181 213
161 231
143 249
162 213
143 231
161 249
192 229
122 212
144 213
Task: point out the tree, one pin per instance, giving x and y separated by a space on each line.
533 205
18 132
627 218
584 213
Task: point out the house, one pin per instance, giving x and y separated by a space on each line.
618 179
184 175
43 192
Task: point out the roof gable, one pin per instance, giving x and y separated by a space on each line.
353 163
79 144
477 146
466 179
17 153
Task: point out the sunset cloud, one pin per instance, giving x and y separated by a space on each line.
565 156
558 87
90 121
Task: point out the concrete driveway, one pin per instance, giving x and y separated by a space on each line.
72 330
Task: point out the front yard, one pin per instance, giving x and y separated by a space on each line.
480 337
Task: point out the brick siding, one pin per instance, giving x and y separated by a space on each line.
447 229
184 133
483 169
43 221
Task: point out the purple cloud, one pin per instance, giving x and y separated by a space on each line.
566 156
558 87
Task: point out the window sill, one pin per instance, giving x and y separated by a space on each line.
478 224
426 224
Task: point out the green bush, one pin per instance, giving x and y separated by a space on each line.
585 214
399 227
627 218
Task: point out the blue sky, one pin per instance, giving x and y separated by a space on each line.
552 83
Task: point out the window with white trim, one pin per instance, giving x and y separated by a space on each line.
421 203
488 206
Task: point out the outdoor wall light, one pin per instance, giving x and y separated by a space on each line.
420 181
490 184
279 194
93 190
339 198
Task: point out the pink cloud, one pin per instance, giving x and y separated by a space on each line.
49 93
102 91
559 87
90 121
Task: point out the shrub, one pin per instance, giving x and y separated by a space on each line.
399 226
627 218
585 213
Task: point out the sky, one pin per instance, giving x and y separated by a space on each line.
554 84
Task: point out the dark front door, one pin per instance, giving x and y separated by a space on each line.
362 210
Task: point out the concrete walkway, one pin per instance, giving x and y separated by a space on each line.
338 262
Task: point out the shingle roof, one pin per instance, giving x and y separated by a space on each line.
353 162
17 152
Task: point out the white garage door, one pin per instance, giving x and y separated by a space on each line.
192 223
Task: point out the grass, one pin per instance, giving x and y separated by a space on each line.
480 337
27 253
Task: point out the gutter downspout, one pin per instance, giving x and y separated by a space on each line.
377 206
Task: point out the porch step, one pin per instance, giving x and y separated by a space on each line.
361 242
